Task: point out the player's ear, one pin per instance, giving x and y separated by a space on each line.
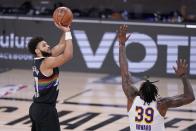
37 51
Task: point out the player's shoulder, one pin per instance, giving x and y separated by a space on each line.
162 105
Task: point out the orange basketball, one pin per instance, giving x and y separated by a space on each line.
63 15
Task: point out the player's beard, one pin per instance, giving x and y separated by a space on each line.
46 54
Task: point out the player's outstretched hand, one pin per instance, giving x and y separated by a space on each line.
122 34
181 68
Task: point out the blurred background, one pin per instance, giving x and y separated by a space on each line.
175 11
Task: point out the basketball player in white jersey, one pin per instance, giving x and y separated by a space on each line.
145 111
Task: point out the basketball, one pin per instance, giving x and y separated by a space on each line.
63 15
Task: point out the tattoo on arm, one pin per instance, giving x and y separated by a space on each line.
183 99
127 84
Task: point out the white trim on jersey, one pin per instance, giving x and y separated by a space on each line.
37 58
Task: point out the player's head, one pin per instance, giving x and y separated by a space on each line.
148 91
38 47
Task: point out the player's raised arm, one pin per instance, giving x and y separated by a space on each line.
62 18
188 94
52 62
59 48
127 84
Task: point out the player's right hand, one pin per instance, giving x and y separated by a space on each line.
61 27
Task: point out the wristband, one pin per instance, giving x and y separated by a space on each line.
68 36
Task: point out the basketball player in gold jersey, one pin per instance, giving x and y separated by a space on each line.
145 111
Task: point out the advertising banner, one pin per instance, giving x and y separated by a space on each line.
152 48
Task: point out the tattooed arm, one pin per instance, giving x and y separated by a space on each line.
183 99
127 84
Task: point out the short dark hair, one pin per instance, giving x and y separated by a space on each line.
33 44
148 92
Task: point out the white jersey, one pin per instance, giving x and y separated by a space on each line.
145 117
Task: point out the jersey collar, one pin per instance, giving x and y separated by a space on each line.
37 58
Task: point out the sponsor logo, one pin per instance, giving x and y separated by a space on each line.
94 59
13 41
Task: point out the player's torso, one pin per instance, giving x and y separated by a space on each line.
145 117
46 87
